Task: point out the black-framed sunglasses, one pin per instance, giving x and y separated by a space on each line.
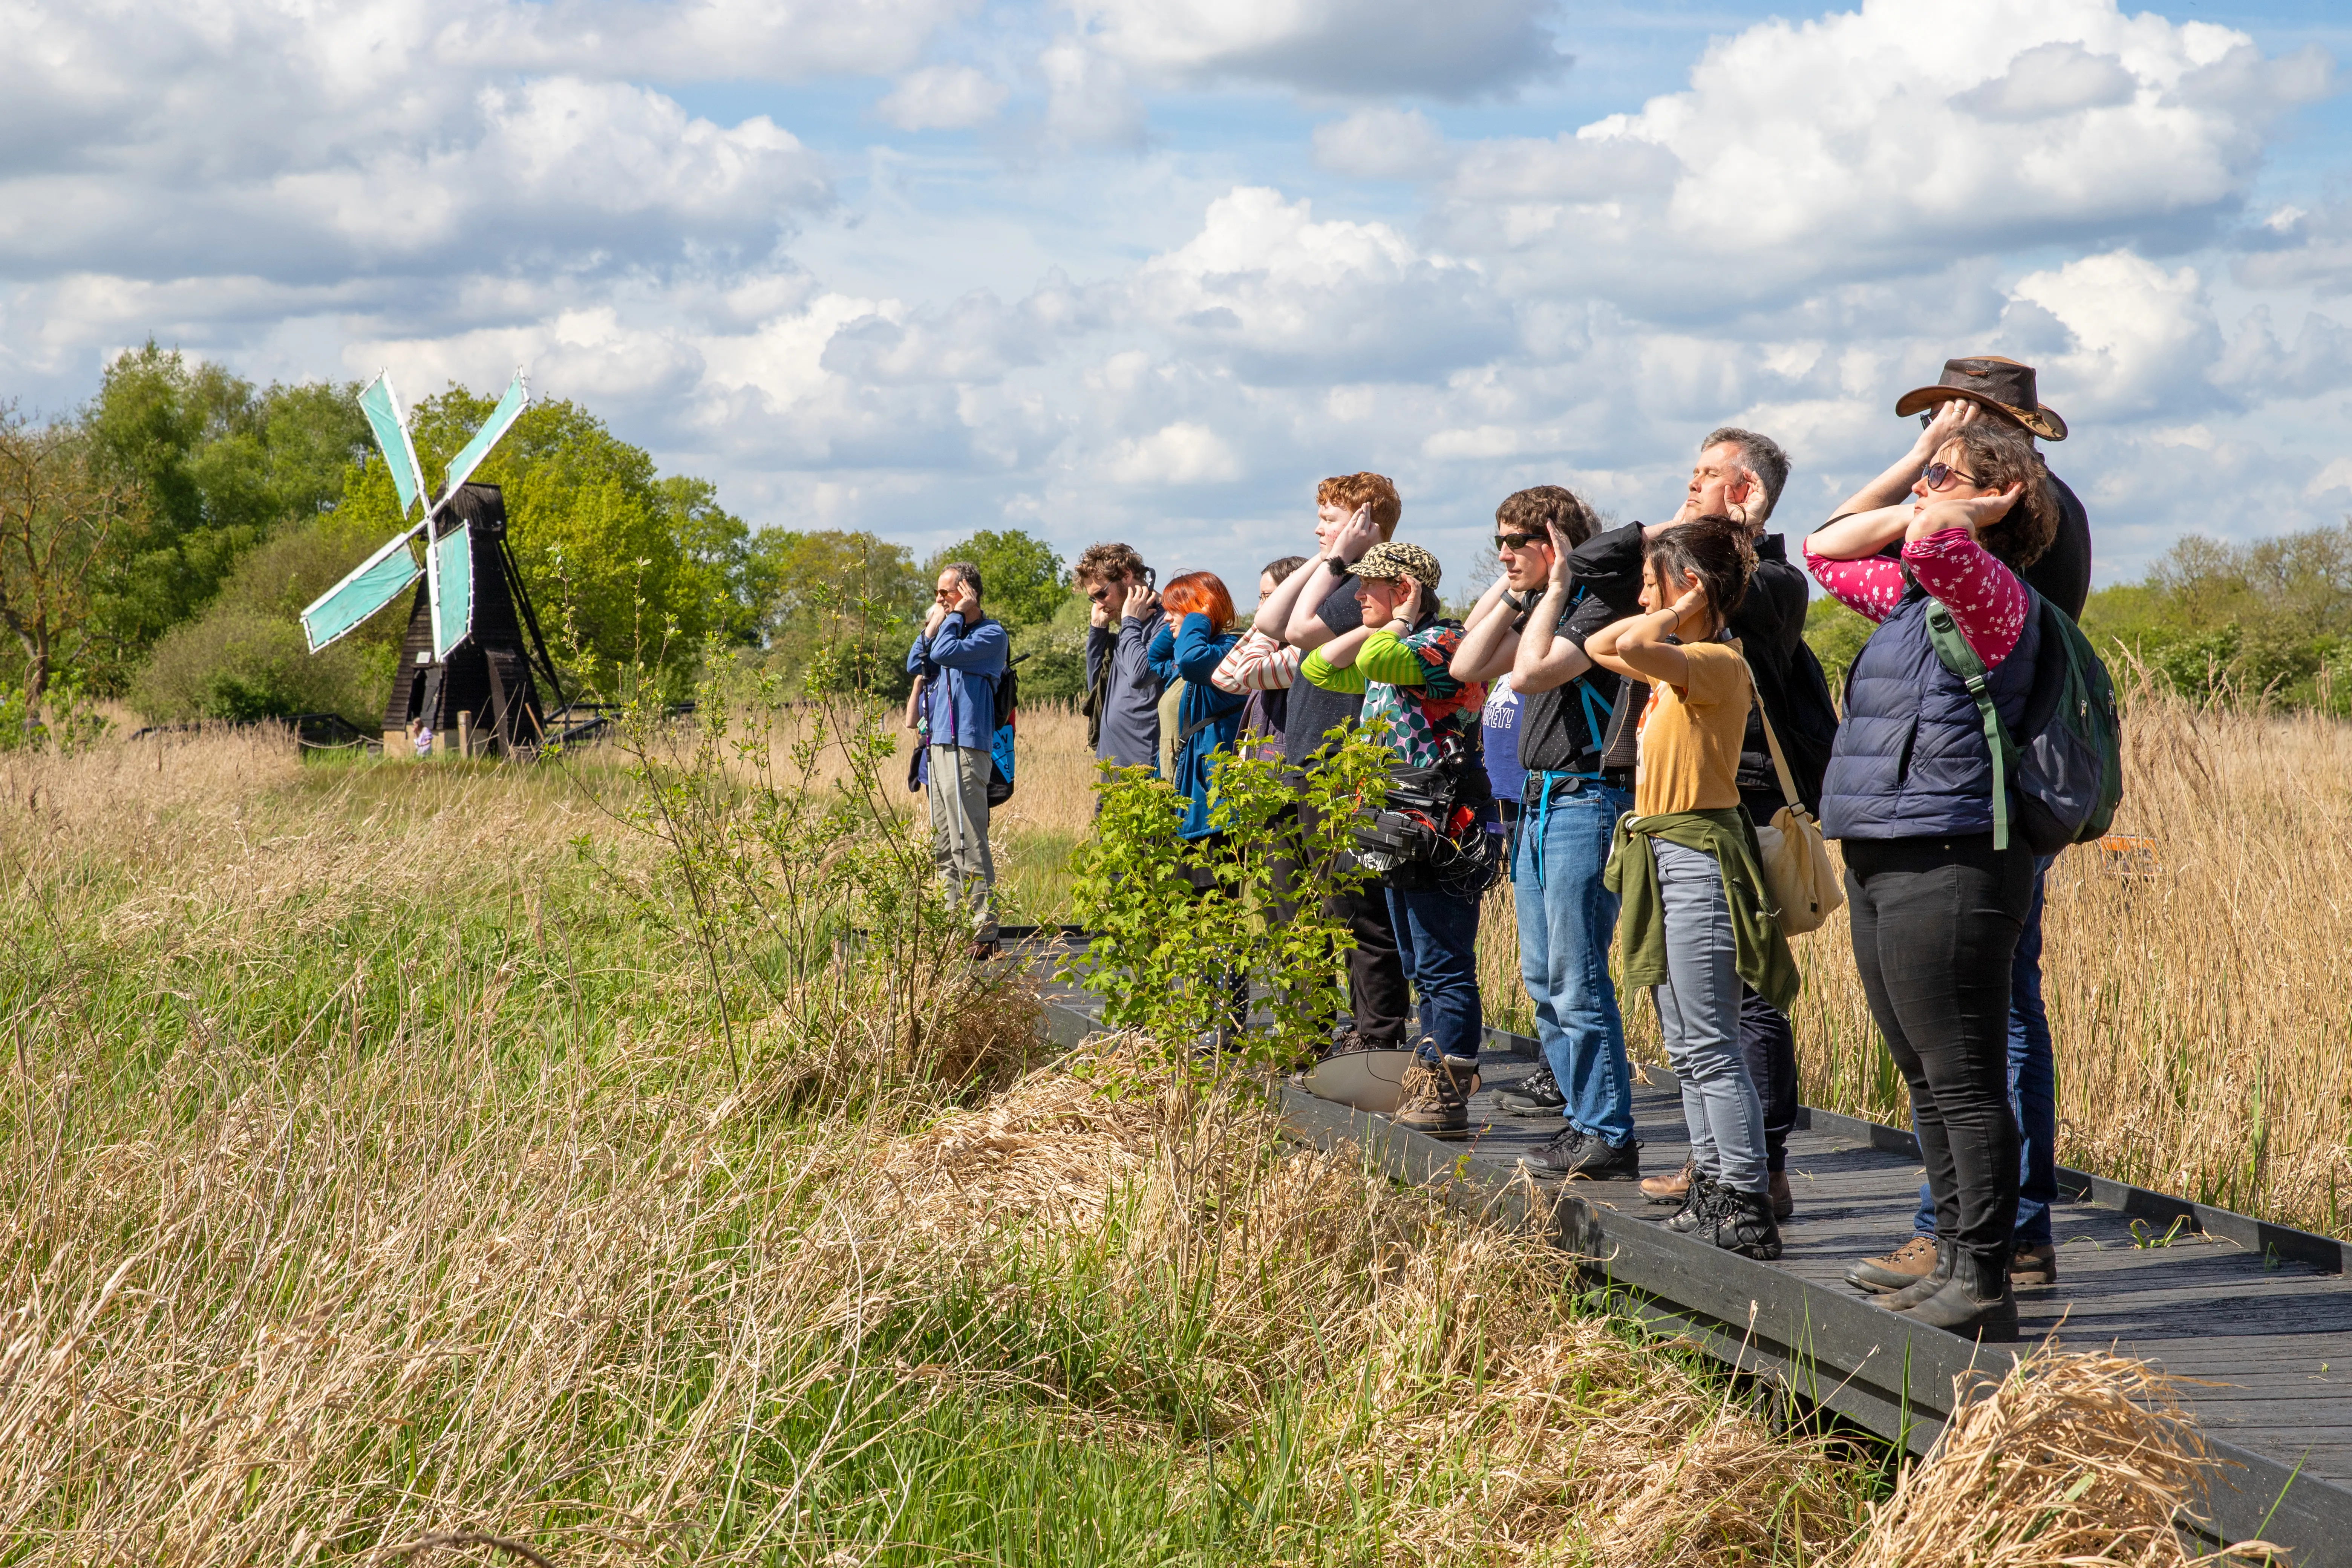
1519 541
1943 477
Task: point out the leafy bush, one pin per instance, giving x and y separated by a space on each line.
245 657
1165 957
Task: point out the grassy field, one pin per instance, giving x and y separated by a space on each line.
2200 993
379 1182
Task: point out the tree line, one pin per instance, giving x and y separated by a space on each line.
158 543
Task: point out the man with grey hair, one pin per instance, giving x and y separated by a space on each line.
1740 474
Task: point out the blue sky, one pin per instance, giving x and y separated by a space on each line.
1148 269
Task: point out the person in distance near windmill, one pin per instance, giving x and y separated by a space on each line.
960 656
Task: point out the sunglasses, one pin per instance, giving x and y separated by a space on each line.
1519 541
1943 477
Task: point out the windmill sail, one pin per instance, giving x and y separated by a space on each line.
450 559
372 585
470 457
382 405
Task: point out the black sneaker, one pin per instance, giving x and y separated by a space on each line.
1347 1042
1743 1222
1535 1095
1700 1206
1571 1154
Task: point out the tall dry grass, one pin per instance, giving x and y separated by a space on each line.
373 1186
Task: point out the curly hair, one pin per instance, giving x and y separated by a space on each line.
1349 492
1200 594
1713 549
1103 562
1998 455
1529 510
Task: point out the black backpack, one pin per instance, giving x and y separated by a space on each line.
2067 753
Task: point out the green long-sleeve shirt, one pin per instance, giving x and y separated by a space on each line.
1763 956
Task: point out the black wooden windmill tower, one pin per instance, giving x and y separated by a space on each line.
473 646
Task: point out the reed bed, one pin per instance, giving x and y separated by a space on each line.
374 1188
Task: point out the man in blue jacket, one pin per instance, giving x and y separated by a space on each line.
960 656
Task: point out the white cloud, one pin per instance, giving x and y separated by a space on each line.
1383 143
2141 339
1457 50
1183 453
943 97
2007 123
1087 98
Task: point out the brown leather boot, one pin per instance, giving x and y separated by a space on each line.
1906 1265
1784 1202
1433 1104
1670 1189
2034 1266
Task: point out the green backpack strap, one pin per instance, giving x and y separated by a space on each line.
1961 659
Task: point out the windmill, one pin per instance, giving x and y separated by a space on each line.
466 650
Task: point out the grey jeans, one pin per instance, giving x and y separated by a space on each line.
1699 1009
956 789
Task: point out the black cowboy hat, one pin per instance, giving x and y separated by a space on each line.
1990 381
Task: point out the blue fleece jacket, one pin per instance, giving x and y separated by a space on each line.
960 669
1207 718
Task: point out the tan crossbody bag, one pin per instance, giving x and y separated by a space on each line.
1803 885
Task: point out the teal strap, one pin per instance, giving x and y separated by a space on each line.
1961 659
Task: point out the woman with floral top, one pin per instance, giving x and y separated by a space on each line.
1937 908
1430 722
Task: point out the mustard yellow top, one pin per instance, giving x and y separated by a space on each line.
1691 735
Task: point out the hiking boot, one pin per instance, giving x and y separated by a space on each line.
1433 1104
1906 1265
1672 1189
1346 1042
2030 1266
1535 1095
982 950
1926 1285
1572 1154
1743 1222
1784 1202
1976 1302
1701 1205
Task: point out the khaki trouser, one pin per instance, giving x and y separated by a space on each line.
956 789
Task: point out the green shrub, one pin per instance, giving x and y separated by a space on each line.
245 657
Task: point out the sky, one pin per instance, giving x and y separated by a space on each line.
1147 270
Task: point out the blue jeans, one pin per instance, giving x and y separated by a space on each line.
1439 931
2032 1086
1565 919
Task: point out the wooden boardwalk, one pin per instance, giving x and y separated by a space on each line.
2261 1315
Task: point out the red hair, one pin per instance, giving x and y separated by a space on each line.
1200 594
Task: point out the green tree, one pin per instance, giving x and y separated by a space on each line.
1021 576
220 466
1836 635
841 608
63 516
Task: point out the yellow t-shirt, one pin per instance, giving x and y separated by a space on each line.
1691 734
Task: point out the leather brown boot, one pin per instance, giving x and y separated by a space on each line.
1433 1104
1906 1265
2030 1266
1670 1189
1784 1202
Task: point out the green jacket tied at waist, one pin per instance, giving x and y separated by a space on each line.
1765 962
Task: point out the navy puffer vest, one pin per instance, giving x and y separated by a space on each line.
1910 760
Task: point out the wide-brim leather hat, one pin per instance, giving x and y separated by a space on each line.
1994 383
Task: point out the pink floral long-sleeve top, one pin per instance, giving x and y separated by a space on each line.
1986 601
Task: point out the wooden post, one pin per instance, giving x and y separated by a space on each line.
465 732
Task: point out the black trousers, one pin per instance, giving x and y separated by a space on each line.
1377 994
1771 1047
1936 923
